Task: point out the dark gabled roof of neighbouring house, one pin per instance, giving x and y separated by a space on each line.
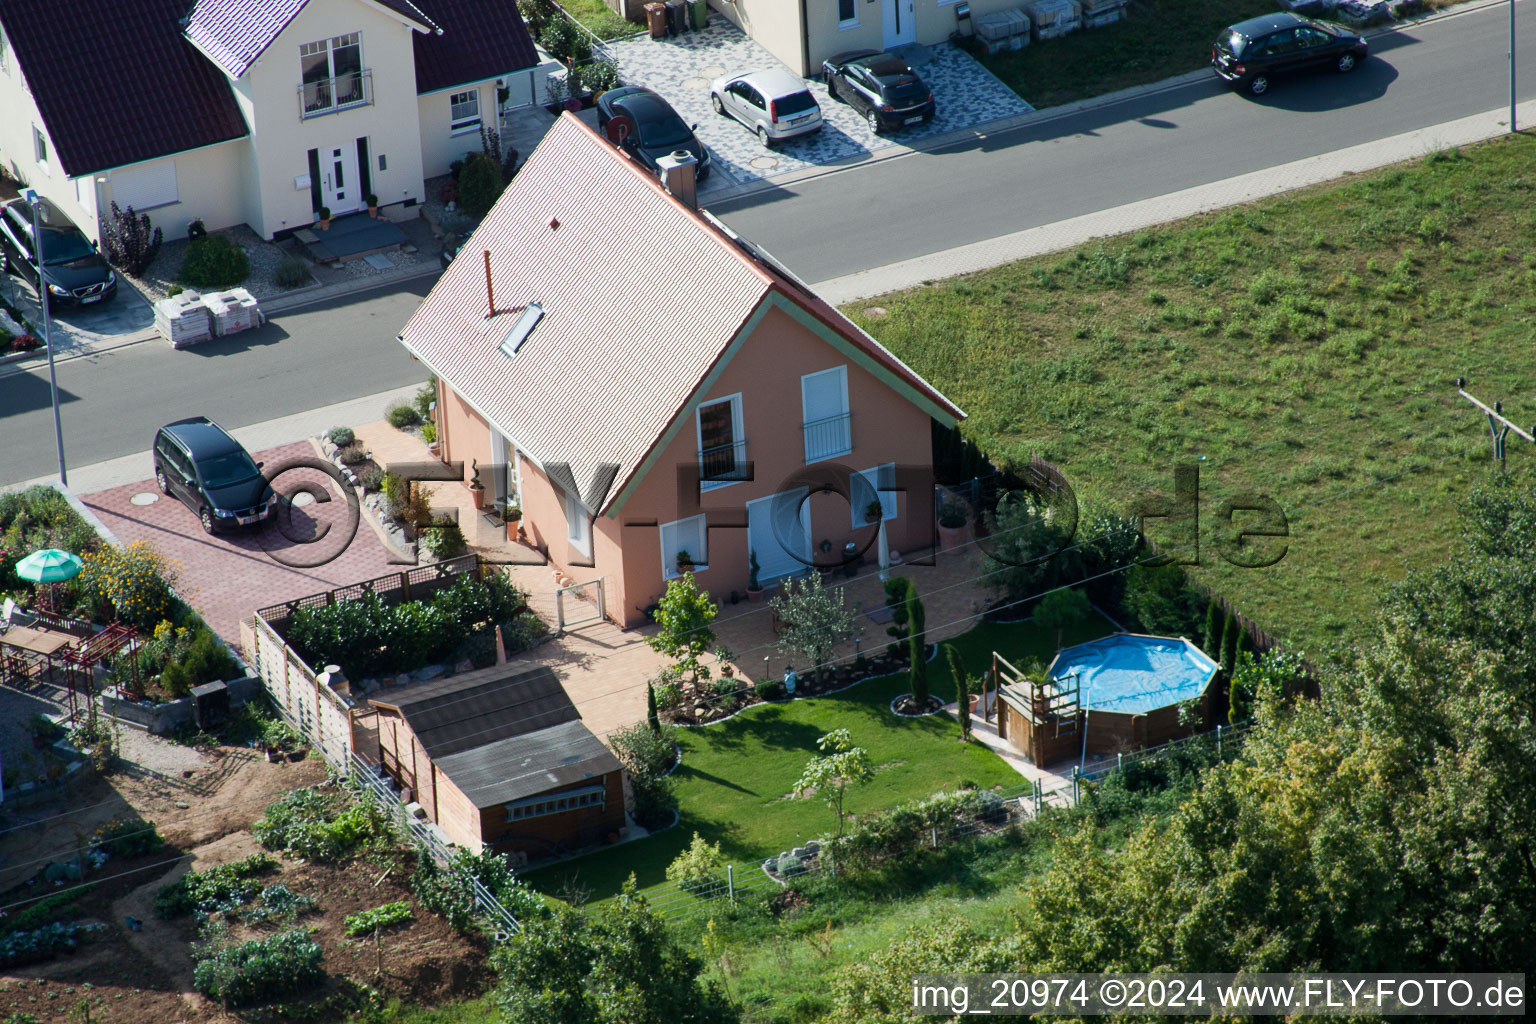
480 40
473 709
116 82
522 766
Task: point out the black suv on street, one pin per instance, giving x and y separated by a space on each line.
72 272
1247 55
198 462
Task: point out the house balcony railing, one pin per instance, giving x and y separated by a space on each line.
723 464
828 437
330 95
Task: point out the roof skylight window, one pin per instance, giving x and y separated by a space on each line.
521 328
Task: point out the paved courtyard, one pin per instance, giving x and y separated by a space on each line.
682 67
228 576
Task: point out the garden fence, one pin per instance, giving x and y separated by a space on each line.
409 585
1019 803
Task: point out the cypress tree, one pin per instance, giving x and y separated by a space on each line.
916 643
651 717
1213 624
1229 636
962 689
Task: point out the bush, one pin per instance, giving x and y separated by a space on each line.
129 837
25 343
480 184
278 903
130 242
402 415
135 580
305 823
1161 601
340 436
368 638
378 918
372 479
768 689
444 539
206 660
429 433
174 290
353 454
426 395
644 752
214 262
788 864
523 632
447 890
669 694
654 801
698 869
292 272
907 830
220 889
261 970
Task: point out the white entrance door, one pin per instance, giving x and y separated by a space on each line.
339 184
779 530
899 23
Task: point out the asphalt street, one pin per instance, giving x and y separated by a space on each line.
823 227
111 403
1138 148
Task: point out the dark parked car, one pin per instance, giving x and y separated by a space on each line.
198 462
1250 53
881 87
72 271
658 130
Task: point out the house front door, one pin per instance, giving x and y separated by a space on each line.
898 22
779 532
340 188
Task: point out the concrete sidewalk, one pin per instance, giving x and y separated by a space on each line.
967 259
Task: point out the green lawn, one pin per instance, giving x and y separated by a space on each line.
600 19
734 783
1159 39
1302 347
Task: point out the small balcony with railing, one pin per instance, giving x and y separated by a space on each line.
723 464
331 95
828 437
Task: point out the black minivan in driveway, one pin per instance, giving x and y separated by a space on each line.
198 462
1247 55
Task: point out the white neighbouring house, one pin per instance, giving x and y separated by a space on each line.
254 112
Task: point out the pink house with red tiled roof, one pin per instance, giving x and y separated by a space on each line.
258 112
645 385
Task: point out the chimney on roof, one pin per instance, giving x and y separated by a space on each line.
679 176
490 293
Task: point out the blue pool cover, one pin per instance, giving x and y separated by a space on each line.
1135 674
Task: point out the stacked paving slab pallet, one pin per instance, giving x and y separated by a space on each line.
1053 18
1097 13
233 311
183 320
1004 30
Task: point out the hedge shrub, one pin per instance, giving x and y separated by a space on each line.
366 637
213 261
262 970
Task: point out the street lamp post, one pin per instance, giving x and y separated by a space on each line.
1512 126
30 195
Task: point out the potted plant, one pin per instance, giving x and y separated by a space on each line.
373 205
514 520
724 655
195 230
476 488
684 562
324 217
873 512
754 588
952 518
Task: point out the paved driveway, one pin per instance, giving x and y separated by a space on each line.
228 576
681 68
84 327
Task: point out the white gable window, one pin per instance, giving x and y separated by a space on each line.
578 526
333 74
872 485
684 537
464 112
722 445
146 186
824 404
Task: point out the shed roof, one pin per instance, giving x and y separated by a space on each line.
521 766
473 710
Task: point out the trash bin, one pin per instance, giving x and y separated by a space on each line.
656 19
698 14
677 17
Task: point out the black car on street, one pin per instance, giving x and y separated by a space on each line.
1247 55
197 462
881 87
71 271
658 131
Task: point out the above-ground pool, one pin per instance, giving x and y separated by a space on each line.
1133 674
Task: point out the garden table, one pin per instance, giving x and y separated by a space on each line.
36 641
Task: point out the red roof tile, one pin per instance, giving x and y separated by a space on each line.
480 40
